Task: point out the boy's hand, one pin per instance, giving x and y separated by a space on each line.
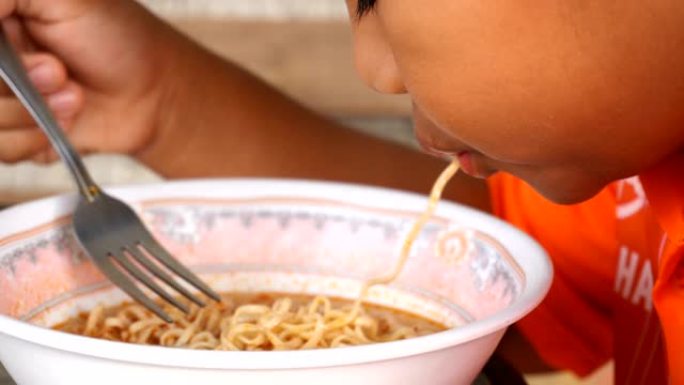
19 137
98 62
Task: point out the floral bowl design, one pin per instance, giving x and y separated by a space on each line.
467 270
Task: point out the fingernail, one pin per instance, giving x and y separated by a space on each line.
41 75
63 102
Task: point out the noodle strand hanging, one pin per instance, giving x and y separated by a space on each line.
265 323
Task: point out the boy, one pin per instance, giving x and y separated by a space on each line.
570 97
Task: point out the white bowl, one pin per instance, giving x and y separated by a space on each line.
273 235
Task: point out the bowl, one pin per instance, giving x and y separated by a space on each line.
467 270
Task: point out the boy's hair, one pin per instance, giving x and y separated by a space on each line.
364 6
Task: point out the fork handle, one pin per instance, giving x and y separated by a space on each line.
13 73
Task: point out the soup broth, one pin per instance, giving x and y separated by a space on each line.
248 321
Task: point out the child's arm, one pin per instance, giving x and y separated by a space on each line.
142 88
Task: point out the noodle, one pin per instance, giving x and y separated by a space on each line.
259 324
435 195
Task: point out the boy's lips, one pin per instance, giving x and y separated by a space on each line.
472 163
439 143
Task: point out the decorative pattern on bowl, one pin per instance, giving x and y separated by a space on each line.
333 239
466 269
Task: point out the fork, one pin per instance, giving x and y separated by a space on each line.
108 230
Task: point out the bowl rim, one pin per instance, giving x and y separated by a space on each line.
535 263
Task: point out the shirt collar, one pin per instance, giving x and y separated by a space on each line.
664 187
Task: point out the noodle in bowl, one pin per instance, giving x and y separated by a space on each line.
467 271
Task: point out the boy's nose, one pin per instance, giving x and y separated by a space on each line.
375 61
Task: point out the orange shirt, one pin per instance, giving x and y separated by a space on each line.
618 290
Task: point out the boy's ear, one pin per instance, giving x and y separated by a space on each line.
375 61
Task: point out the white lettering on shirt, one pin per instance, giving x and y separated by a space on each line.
644 287
626 270
638 201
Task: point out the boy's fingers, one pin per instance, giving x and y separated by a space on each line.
30 143
13 115
67 101
48 154
43 157
47 10
19 145
46 72
64 103
16 34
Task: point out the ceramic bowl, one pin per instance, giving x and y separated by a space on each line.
467 270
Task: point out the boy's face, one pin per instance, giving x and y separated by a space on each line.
568 95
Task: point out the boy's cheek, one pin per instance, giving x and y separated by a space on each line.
547 94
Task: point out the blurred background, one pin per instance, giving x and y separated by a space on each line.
303 47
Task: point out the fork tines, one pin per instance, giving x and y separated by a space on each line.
135 260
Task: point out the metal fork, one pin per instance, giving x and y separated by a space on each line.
108 230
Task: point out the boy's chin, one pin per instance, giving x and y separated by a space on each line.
569 192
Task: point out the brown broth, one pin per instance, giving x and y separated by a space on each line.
76 324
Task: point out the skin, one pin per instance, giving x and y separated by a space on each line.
181 110
568 96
